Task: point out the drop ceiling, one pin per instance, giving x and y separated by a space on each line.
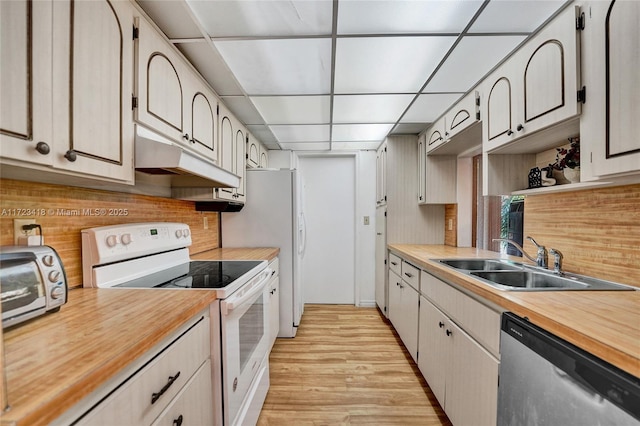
344 74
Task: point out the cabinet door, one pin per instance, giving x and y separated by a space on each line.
193 405
92 65
433 348
160 86
611 117
264 157
253 154
395 296
472 385
436 134
549 68
274 308
226 123
500 103
239 155
25 103
408 327
465 113
203 122
422 158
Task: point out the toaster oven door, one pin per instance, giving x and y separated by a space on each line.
22 287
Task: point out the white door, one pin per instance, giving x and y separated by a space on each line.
328 265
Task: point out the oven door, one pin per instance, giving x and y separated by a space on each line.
245 341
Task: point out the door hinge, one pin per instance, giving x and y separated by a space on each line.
385 261
136 33
218 109
134 102
580 22
385 309
246 156
582 95
385 198
478 116
385 214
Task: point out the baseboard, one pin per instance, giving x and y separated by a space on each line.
367 304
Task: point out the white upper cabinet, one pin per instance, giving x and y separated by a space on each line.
381 175
436 134
611 117
535 89
239 153
81 61
233 141
172 98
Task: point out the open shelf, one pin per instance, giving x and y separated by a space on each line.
562 188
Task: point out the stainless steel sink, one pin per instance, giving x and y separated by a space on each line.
482 264
513 276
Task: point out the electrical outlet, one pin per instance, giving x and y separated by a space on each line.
205 222
450 224
366 220
19 232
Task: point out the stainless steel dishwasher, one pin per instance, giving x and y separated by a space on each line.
545 380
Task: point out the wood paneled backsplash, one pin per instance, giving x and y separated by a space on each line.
451 232
597 230
63 211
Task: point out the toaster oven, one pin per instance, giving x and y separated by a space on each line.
32 282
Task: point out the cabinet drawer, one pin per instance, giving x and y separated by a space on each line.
131 403
275 266
193 405
411 275
478 320
394 263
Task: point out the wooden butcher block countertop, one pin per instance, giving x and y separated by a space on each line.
604 323
259 253
54 361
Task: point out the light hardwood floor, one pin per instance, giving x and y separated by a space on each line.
346 366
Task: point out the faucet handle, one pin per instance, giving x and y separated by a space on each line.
541 255
557 260
538 246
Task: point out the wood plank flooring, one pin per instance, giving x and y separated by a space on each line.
346 366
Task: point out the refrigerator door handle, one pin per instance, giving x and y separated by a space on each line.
302 229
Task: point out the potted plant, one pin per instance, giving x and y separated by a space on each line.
568 160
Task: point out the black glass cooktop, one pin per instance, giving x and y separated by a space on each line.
196 274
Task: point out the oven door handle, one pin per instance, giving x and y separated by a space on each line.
246 294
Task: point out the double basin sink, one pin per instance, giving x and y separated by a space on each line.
508 275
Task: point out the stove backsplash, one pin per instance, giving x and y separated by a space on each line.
63 211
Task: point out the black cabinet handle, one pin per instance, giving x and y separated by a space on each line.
520 127
273 272
509 132
408 274
156 396
449 333
43 148
440 324
186 137
394 263
178 421
71 155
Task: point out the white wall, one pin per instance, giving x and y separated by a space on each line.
365 234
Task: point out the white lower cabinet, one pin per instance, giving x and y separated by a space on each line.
274 301
170 381
462 374
403 312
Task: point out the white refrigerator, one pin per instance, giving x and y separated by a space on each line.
272 217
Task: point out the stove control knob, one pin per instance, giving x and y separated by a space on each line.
57 292
47 260
126 239
186 233
54 276
112 240
178 233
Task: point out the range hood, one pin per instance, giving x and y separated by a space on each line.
156 155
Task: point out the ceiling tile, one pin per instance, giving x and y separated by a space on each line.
282 66
360 132
354 146
387 64
409 128
369 108
301 133
515 15
309 146
243 109
263 134
427 108
294 109
264 18
212 67
173 17
484 52
404 17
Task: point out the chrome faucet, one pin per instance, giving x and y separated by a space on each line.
557 261
542 258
